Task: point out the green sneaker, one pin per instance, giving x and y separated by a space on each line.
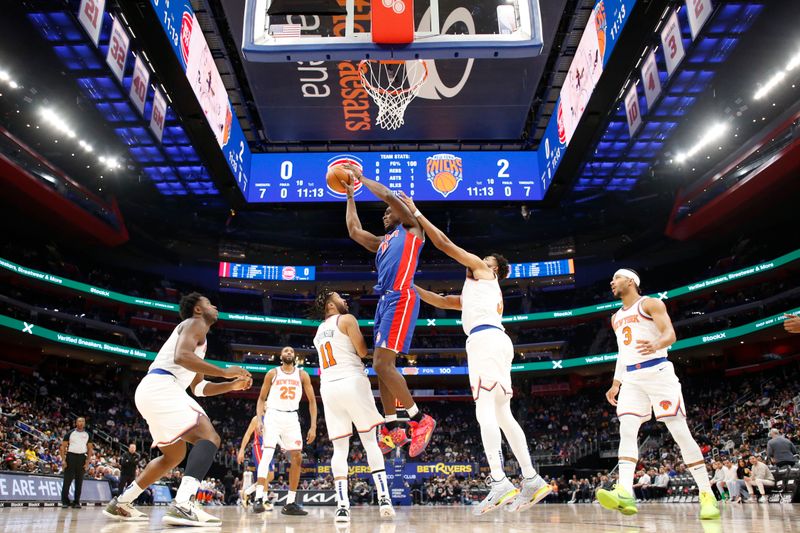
617 500
709 509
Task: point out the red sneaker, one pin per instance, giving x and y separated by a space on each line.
385 441
421 433
400 437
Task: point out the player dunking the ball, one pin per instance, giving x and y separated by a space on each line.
276 410
347 399
396 256
645 381
174 418
489 356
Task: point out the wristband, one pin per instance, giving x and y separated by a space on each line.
198 389
417 213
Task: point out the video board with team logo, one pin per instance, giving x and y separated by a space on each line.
426 176
267 272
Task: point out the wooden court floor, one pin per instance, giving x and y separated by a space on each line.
552 518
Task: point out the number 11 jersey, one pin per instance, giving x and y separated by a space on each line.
337 355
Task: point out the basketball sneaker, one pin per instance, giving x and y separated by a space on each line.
617 499
502 493
342 515
206 519
421 433
123 511
533 491
385 441
181 515
709 509
399 437
292 509
385 507
258 507
268 507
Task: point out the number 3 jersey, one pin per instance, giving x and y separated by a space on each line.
337 355
632 324
286 390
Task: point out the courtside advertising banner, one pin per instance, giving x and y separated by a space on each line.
34 488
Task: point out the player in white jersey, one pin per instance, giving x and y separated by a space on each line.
278 422
248 487
645 381
174 418
489 356
347 399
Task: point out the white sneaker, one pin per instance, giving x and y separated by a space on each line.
205 518
123 511
533 491
502 493
762 499
386 510
342 515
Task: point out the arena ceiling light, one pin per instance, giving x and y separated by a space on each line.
793 62
771 84
713 133
54 120
7 79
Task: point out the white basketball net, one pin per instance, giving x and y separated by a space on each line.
392 85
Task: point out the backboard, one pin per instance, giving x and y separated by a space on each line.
499 29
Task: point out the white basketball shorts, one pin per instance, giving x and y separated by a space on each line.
489 356
349 402
282 427
168 409
651 390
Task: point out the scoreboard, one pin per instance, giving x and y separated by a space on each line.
267 272
561 267
425 176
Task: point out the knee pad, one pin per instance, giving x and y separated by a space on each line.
341 447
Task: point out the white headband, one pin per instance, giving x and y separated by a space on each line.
628 274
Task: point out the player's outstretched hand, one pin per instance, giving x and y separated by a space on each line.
242 383
240 457
312 435
354 170
233 372
407 200
611 395
792 323
645 347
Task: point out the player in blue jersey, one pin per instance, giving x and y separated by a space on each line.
396 257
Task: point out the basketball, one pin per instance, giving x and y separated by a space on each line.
336 177
445 182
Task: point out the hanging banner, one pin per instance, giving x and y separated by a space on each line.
698 12
672 43
650 80
141 80
118 46
91 17
159 114
632 110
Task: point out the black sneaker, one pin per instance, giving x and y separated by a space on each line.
65 504
258 507
293 509
76 506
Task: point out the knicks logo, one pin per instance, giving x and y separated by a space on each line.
445 172
601 24
665 405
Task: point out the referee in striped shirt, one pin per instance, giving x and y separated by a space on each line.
76 449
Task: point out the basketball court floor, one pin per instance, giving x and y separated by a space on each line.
582 518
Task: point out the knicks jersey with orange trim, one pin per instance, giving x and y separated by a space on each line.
481 304
337 355
396 260
632 324
286 390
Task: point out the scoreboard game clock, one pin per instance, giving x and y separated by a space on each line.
426 176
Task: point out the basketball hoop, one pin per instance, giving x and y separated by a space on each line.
392 84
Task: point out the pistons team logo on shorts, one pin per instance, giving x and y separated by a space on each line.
444 172
665 405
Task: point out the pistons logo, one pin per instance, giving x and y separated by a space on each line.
444 172
562 130
665 405
398 6
345 160
187 22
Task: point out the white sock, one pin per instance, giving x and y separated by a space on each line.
412 411
131 493
626 470
259 492
342 497
381 483
700 475
390 418
187 489
290 498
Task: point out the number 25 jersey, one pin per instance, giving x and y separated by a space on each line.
286 390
